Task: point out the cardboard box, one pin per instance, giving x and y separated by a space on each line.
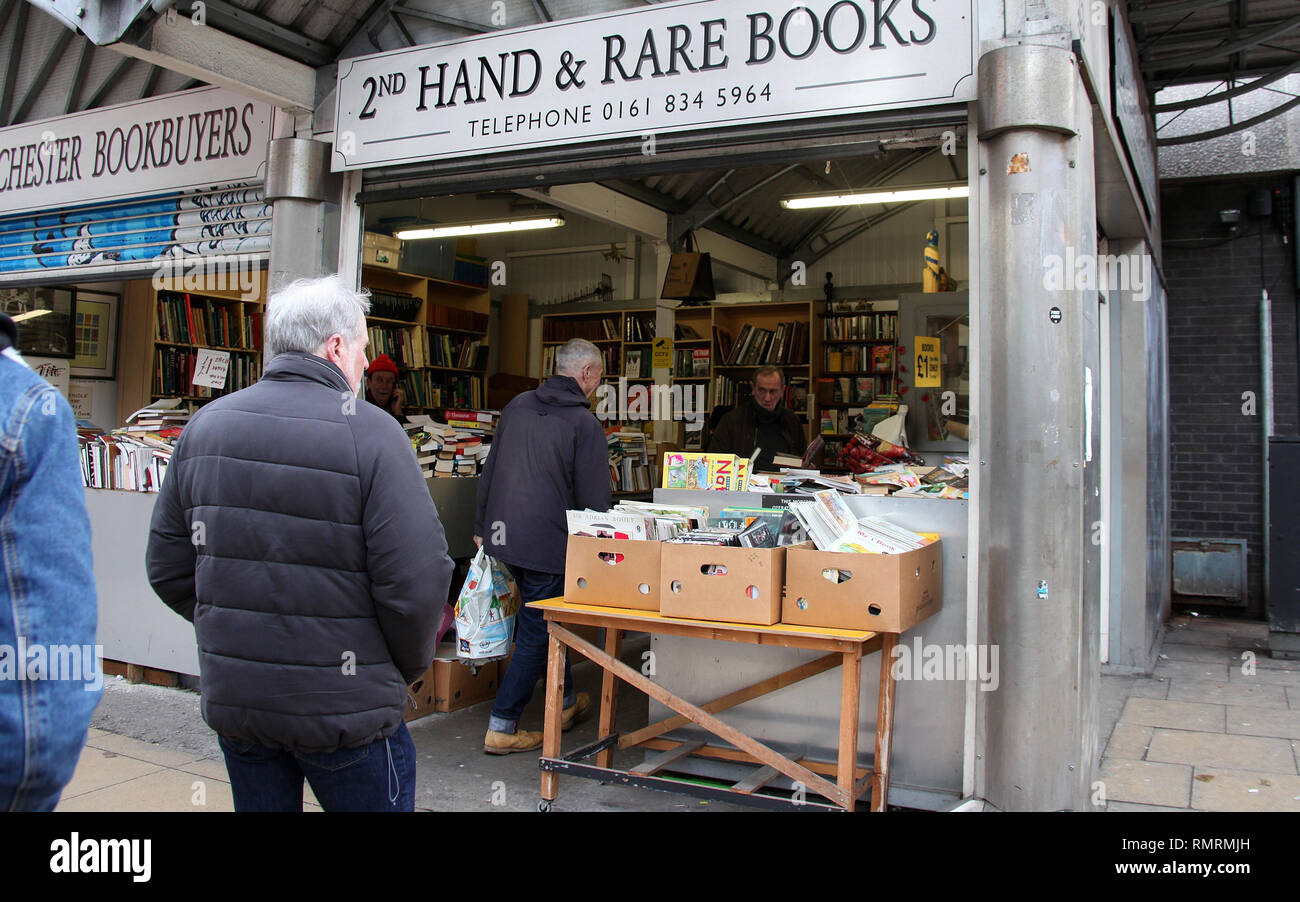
449 685
380 250
616 573
884 592
695 585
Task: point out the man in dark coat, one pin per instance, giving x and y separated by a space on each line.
548 456
295 531
760 421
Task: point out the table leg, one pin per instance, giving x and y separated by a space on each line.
554 713
608 696
884 724
850 701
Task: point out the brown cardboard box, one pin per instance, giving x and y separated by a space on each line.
449 685
748 592
884 592
380 250
616 573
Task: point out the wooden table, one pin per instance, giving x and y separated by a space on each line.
845 648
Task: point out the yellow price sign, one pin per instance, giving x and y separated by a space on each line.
663 353
928 361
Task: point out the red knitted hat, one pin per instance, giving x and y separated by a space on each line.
382 364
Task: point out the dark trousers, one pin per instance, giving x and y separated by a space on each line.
528 663
375 777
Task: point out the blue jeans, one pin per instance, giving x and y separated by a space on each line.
375 777
48 609
528 662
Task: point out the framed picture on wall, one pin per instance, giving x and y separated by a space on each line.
44 319
95 334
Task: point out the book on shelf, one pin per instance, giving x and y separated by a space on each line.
686 332
700 360
639 327
457 318
632 365
563 328
860 327
882 358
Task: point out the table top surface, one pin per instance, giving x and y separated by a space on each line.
556 608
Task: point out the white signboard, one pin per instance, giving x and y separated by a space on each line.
663 68
55 370
208 136
211 368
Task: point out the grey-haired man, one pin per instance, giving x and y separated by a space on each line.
295 531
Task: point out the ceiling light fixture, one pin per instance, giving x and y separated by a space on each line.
901 196
30 314
479 228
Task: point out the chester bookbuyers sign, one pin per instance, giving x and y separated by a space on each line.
700 64
193 139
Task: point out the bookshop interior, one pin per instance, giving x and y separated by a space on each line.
849 275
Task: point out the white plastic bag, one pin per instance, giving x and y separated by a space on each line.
485 611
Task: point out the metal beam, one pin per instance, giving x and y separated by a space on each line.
151 82
675 207
1229 129
15 57
1184 55
543 14
249 25
439 19
1148 12
79 77
401 28
42 75
109 81
1230 94
228 61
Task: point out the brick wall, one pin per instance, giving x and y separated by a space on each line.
1214 286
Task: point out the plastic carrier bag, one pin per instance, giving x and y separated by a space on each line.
485 611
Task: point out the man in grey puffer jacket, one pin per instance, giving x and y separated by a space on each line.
295 531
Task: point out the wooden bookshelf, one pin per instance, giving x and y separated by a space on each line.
443 346
155 343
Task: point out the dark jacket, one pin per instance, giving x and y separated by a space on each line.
548 456
296 532
737 433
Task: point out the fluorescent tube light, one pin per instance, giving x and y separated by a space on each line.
902 196
30 314
479 228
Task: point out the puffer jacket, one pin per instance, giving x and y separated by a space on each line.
549 455
296 532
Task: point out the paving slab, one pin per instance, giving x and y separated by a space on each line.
1268 676
1133 806
1222 750
1146 782
1148 687
1224 789
144 751
97 769
1259 695
1129 740
165 790
212 768
1247 721
1156 712
1206 653
1194 670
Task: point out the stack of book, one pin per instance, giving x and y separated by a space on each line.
134 457
636 520
443 450
833 527
629 462
402 344
761 527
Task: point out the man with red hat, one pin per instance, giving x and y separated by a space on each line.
381 386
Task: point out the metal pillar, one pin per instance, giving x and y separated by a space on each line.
298 182
1040 443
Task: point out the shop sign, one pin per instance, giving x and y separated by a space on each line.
641 72
663 353
200 138
1131 113
211 367
927 362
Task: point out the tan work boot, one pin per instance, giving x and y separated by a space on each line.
495 743
575 711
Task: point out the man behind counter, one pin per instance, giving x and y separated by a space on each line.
381 386
760 421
